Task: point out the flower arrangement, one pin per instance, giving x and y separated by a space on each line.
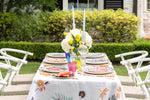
73 40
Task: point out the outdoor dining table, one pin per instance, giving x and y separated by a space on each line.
82 86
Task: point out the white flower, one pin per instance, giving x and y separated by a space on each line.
88 40
73 32
65 46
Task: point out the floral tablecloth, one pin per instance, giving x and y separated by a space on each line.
81 87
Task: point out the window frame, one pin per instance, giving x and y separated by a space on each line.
88 2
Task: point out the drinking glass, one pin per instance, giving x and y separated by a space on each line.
72 67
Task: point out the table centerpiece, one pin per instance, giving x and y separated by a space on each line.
77 42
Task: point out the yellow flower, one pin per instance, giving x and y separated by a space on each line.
72 48
80 42
78 36
80 30
77 39
70 41
65 33
40 83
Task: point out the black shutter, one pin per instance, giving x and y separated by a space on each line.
113 4
135 7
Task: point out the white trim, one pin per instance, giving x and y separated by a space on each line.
145 5
140 14
65 4
100 5
88 4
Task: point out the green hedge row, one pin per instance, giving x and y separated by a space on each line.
104 27
111 49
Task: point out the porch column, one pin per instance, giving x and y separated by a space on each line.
100 5
140 13
145 5
65 4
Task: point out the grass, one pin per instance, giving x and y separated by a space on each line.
32 67
122 71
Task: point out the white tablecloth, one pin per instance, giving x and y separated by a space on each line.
81 87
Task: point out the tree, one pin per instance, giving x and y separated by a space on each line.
29 6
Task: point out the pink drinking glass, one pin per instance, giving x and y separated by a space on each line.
72 67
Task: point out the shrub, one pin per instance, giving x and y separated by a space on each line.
7 21
40 49
142 44
55 25
112 26
104 27
20 28
28 28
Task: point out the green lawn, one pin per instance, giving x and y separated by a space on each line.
31 67
121 70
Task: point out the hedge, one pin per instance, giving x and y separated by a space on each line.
104 27
111 49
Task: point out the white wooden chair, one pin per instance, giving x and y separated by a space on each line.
20 61
134 71
127 62
145 85
9 68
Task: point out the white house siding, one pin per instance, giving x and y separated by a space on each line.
140 13
65 4
145 5
128 6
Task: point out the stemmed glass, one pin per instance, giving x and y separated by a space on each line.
83 50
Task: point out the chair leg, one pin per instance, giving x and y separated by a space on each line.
11 77
146 92
2 87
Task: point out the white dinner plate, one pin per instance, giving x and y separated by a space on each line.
97 61
56 55
98 70
54 68
55 60
95 55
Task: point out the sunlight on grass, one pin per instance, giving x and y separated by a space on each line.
30 67
120 70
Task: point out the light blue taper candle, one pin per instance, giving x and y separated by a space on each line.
83 34
73 17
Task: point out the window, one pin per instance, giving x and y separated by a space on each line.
113 4
148 4
81 4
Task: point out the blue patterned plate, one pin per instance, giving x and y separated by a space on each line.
56 55
98 70
95 55
97 61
